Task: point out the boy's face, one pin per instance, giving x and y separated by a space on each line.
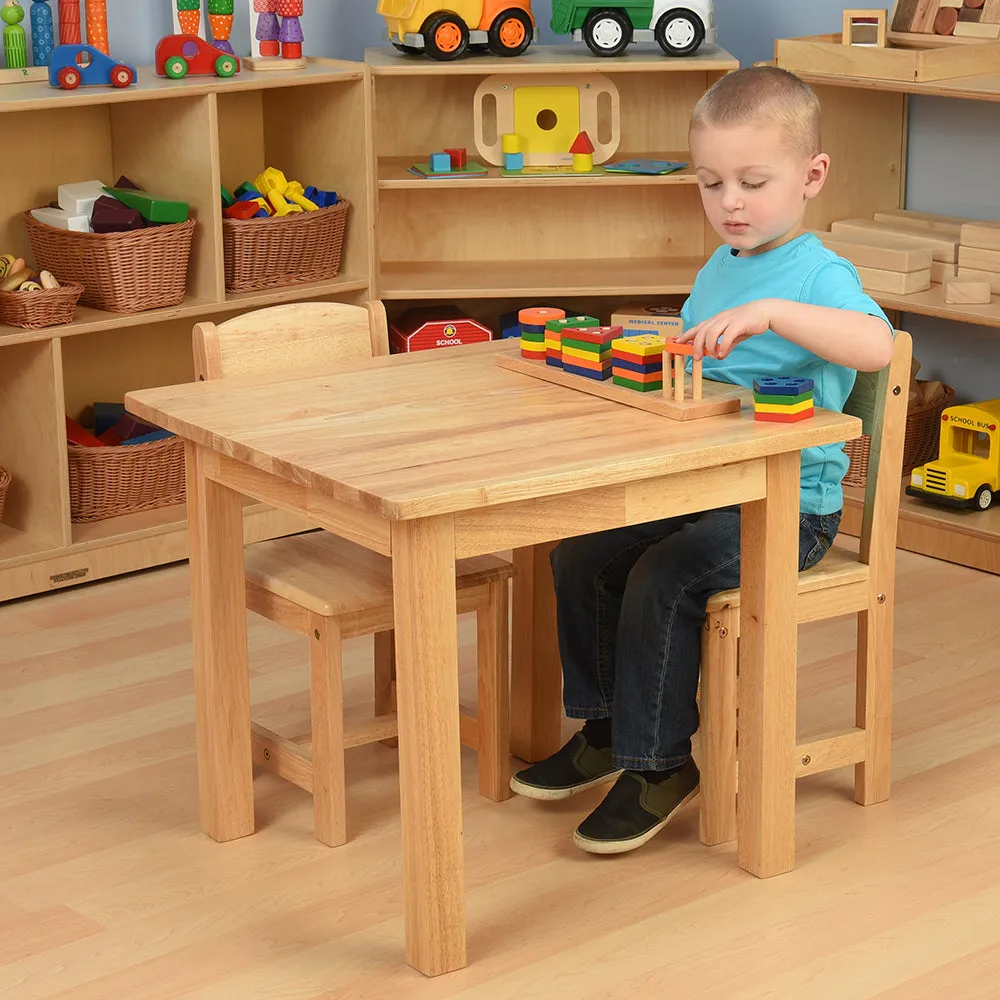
753 185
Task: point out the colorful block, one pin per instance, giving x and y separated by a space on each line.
782 400
458 157
773 385
513 161
576 322
603 335
637 386
583 345
440 163
588 357
643 344
642 377
626 365
598 374
783 418
781 408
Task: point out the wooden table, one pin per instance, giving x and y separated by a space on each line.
438 455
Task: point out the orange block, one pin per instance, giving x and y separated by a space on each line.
783 418
672 347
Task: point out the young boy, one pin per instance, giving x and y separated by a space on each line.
631 601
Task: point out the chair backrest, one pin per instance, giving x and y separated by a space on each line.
880 400
300 336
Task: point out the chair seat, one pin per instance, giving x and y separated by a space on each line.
331 576
838 568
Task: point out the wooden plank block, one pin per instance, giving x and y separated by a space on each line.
926 13
850 229
904 14
976 257
874 279
942 225
991 12
973 29
972 293
940 271
984 235
972 274
719 397
885 258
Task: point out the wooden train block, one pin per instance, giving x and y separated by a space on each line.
782 385
942 272
882 257
983 235
972 293
943 248
983 260
875 279
947 226
991 12
972 274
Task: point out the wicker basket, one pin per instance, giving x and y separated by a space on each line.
120 272
920 445
125 479
4 486
284 250
34 310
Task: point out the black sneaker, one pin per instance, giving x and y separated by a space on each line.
574 768
635 810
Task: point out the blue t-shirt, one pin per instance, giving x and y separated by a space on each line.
802 270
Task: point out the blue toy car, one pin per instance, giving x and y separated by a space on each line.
73 65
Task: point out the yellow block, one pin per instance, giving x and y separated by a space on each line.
510 142
575 352
645 345
583 162
775 408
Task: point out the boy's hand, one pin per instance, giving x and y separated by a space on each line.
716 337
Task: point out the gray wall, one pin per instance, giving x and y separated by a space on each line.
954 145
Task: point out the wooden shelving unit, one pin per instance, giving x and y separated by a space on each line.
969 538
183 139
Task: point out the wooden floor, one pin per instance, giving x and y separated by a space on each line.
108 890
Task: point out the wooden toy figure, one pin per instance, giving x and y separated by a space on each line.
264 14
97 24
277 35
15 41
43 37
291 28
220 16
69 22
187 18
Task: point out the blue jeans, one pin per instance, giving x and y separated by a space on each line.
630 611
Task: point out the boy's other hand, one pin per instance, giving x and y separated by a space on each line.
716 337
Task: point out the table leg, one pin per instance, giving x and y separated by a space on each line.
766 685
221 675
536 677
430 780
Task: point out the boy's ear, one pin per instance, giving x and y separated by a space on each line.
816 174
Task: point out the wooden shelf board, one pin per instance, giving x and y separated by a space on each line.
16 544
387 61
967 537
94 320
39 95
394 174
975 88
931 303
538 278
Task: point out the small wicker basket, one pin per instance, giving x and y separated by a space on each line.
34 310
920 445
4 486
125 479
284 250
120 272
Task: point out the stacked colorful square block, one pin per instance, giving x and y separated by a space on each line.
553 335
637 362
587 350
782 400
533 322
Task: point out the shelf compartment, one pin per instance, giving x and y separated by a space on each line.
539 278
394 174
931 303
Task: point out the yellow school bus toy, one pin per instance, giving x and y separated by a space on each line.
966 472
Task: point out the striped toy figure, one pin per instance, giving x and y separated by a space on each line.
43 35
69 22
265 29
291 36
220 17
15 39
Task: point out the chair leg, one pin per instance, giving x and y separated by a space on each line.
874 702
493 712
327 709
385 677
717 820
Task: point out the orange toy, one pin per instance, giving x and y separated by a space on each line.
97 24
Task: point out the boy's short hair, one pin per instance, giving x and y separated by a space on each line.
764 93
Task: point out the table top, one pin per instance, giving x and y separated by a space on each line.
442 431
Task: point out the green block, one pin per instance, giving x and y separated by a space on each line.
189 4
535 338
637 386
220 6
150 208
584 345
572 322
782 400
227 198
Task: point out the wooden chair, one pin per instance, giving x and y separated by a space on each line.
842 583
330 589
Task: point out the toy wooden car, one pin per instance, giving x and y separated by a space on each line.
178 55
678 26
74 65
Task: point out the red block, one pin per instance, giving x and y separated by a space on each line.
783 418
459 158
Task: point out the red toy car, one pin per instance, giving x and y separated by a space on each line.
178 55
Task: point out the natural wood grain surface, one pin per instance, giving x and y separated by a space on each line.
107 889
397 452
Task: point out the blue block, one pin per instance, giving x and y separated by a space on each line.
633 366
587 373
774 385
513 161
554 362
440 163
509 326
324 199
106 415
146 438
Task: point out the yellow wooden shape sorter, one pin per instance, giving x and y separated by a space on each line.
645 345
548 118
